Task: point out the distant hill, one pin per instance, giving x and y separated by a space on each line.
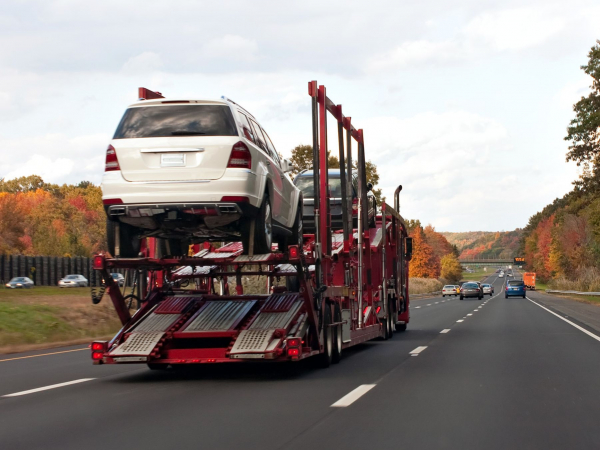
486 244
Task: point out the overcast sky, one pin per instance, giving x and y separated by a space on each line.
464 103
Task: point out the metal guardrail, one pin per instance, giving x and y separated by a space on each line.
552 291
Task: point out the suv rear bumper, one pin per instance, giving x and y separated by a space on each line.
235 183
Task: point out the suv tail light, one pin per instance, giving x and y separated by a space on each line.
112 163
240 156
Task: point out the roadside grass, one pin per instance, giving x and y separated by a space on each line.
424 285
476 276
39 317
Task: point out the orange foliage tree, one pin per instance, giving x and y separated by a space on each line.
424 262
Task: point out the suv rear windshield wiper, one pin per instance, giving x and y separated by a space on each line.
186 133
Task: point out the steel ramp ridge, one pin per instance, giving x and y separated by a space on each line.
218 316
140 344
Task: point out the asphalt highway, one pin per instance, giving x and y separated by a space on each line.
492 374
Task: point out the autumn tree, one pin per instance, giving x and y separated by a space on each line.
424 262
11 224
584 130
451 268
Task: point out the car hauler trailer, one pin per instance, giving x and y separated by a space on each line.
343 287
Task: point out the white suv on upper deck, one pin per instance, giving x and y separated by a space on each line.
187 171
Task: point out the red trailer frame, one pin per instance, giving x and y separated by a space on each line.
343 287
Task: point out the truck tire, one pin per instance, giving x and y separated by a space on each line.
158 366
392 322
337 338
324 360
400 327
129 240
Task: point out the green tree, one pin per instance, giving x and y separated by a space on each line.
22 184
451 268
584 129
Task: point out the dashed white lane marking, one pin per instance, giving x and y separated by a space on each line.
446 330
418 350
417 307
436 303
45 388
460 320
428 304
476 310
354 395
592 335
470 314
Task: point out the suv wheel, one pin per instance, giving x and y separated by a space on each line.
263 230
297 228
129 240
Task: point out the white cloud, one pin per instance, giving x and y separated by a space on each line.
514 29
142 63
231 47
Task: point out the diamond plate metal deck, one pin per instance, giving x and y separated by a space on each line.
275 320
219 316
156 322
174 305
279 302
252 341
138 344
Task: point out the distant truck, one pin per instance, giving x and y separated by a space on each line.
529 280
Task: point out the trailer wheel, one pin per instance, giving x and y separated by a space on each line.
325 358
337 336
400 327
129 240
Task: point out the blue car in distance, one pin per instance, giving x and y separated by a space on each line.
515 288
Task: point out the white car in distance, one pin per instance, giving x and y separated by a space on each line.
187 171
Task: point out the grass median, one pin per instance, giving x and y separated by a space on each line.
46 316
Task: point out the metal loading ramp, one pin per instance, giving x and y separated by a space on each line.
276 314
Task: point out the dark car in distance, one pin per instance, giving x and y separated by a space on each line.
471 289
515 288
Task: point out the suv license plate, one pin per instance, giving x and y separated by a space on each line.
172 160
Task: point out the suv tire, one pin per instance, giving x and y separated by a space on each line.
263 229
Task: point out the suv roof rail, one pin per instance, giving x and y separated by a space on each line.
239 106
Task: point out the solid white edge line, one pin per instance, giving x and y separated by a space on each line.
445 330
418 350
45 388
568 321
352 396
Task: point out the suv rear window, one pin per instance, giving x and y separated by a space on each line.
176 120
516 283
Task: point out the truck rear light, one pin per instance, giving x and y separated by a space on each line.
97 356
112 163
294 351
98 346
294 342
98 263
240 157
235 198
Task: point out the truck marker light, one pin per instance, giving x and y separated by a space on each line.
378 309
294 252
294 351
294 342
97 346
98 263
97 356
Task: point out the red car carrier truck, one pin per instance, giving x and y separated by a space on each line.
343 287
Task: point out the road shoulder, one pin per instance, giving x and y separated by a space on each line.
585 313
